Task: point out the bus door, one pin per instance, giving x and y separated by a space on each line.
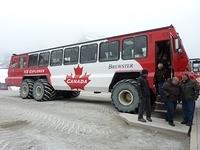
16 68
164 55
173 59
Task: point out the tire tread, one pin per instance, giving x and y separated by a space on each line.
49 91
129 81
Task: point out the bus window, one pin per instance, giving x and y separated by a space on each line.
22 62
33 60
109 51
71 55
88 53
44 59
128 49
134 47
140 46
14 63
56 58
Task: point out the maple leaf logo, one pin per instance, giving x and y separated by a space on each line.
78 80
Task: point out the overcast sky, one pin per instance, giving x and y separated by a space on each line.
28 25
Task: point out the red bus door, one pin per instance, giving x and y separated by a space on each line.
15 71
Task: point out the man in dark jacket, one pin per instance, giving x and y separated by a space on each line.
190 93
165 60
159 78
145 104
171 93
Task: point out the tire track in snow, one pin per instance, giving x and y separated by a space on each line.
19 141
42 119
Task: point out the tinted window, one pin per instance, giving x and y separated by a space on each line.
134 47
33 59
56 58
109 51
89 53
71 55
44 59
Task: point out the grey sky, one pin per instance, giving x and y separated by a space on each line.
28 25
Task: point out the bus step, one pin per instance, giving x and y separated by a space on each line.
159 103
160 111
160 106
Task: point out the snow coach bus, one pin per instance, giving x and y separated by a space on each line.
105 65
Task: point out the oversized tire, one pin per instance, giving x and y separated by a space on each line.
42 90
125 96
26 89
70 94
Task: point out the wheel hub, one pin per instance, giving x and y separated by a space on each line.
24 90
38 91
125 97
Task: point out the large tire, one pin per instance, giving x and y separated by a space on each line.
70 94
125 96
42 90
26 89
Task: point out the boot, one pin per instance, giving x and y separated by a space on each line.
149 119
172 124
188 124
183 122
142 120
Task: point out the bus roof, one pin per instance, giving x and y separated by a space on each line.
113 37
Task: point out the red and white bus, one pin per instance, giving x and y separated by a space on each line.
105 65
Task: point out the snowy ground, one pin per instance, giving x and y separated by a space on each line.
84 123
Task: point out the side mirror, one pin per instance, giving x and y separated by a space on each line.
177 45
179 51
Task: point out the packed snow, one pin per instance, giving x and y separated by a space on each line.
83 123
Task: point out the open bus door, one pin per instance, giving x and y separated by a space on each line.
172 49
164 55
